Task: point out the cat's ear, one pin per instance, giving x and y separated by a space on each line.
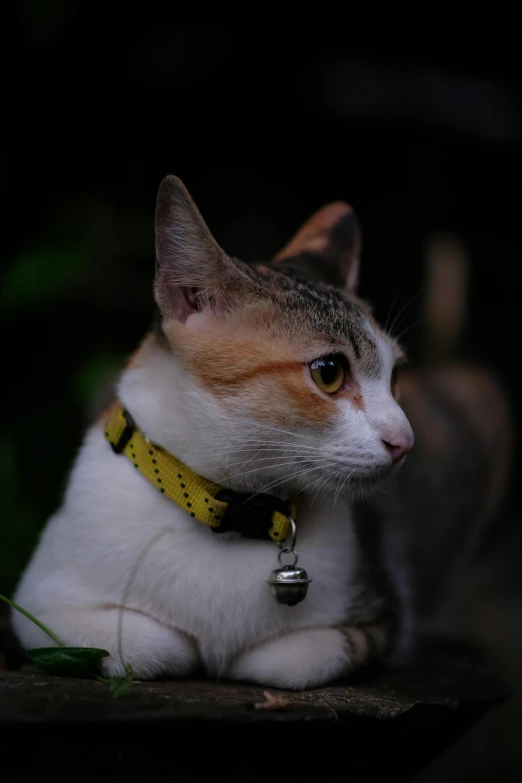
327 247
192 271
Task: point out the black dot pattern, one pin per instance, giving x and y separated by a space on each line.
157 478
186 491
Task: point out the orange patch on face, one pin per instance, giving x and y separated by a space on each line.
265 377
313 236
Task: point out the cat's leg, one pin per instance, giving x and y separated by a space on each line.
151 648
310 657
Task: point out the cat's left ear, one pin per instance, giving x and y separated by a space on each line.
192 271
327 247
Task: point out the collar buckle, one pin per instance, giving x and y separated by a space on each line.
252 516
126 434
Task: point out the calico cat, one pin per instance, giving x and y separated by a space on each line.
271 379
269 382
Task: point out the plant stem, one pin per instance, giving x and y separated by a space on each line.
33 619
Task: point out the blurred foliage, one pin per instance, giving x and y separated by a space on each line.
39 275
19 522
92 376
66 350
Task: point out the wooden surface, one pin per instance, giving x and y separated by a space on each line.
387 723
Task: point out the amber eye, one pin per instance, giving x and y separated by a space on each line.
329 373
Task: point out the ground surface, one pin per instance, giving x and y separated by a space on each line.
387 723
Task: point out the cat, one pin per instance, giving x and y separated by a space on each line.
273 380
269 379
432 526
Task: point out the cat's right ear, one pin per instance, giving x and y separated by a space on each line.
327 247
192 271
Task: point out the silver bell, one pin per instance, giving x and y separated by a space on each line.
289 584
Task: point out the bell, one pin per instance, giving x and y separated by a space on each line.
289 584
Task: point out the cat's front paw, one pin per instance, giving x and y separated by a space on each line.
149 647
298 660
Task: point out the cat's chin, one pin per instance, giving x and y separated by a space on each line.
356 487
360 487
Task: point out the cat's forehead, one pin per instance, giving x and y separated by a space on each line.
326 313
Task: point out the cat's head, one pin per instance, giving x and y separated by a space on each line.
287 378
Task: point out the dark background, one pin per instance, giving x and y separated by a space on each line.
412 115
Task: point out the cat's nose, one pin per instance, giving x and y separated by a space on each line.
399 447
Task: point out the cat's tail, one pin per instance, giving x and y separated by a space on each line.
445 297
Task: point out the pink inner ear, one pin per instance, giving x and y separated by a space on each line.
176 300
200 321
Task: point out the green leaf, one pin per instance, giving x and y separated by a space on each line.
33 619
67 661
120 686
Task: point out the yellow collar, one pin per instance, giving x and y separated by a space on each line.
259 516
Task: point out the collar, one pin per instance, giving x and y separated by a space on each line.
258 516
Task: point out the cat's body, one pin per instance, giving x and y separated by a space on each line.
229 384
207 593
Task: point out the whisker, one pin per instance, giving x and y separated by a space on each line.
403 310
390 311
276 447
309 457
263 425
409 328
337 490
288 461
276 482
266 459
320 484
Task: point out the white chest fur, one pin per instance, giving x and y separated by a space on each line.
212 587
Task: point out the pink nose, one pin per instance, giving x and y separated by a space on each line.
399 449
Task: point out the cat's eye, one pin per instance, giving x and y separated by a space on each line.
329 373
